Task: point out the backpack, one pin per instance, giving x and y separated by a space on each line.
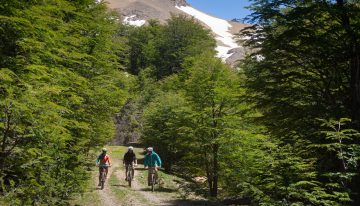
103 158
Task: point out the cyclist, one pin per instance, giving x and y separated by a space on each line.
152 160
129 158
103 160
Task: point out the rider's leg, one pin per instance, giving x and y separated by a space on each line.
156 175
126 171
149 176
133 172
107 170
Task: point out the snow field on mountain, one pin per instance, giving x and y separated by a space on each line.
219 26
129 20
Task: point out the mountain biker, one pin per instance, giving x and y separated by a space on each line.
129 158
152 160
103 160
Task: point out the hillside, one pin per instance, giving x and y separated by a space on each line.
138 12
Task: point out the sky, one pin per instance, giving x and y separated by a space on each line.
225 9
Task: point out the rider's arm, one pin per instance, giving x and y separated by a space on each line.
158 160
109 160
135 160
97 160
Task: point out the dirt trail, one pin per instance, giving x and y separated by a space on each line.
142 192
107 196
131 200
118 193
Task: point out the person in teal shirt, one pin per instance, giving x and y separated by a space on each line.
152 161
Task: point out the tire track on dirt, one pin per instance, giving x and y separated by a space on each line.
152 198
131 199
106 195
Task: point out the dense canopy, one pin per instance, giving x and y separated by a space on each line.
281 128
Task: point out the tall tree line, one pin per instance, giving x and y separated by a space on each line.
61 81
282 130
195 116
303 76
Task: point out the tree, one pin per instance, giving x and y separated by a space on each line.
303 69
60 84
213 91
182 37
167 124
165 47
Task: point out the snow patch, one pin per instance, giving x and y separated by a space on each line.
219 26
259 58
223 52
131 21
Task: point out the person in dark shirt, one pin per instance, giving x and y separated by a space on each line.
129 158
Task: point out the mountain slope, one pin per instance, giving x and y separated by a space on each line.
137 12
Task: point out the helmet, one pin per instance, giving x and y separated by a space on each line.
150 149
130 148
104 150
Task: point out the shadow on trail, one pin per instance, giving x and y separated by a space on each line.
161 189
119 185
193 203
140 169
92 189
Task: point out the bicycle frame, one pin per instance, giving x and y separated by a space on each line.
103 175
129 173
152 171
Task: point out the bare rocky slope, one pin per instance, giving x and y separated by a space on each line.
146 9
138 12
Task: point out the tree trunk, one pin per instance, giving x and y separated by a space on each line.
214 188
355 97
354 59
355 85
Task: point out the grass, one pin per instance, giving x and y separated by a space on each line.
117 187
89 197
168 185
116 152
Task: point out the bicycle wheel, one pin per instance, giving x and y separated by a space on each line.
103 179
129 178
152 182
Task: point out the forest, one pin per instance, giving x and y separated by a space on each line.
280 128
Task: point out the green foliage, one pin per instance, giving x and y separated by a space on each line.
254 133
298 73
193 115
339 141
165 47
166 126
182 37
60 84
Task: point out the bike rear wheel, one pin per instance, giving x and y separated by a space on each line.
152 182
102 185
129 178
103 178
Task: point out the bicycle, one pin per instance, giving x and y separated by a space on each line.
153 179
102 176
130 173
